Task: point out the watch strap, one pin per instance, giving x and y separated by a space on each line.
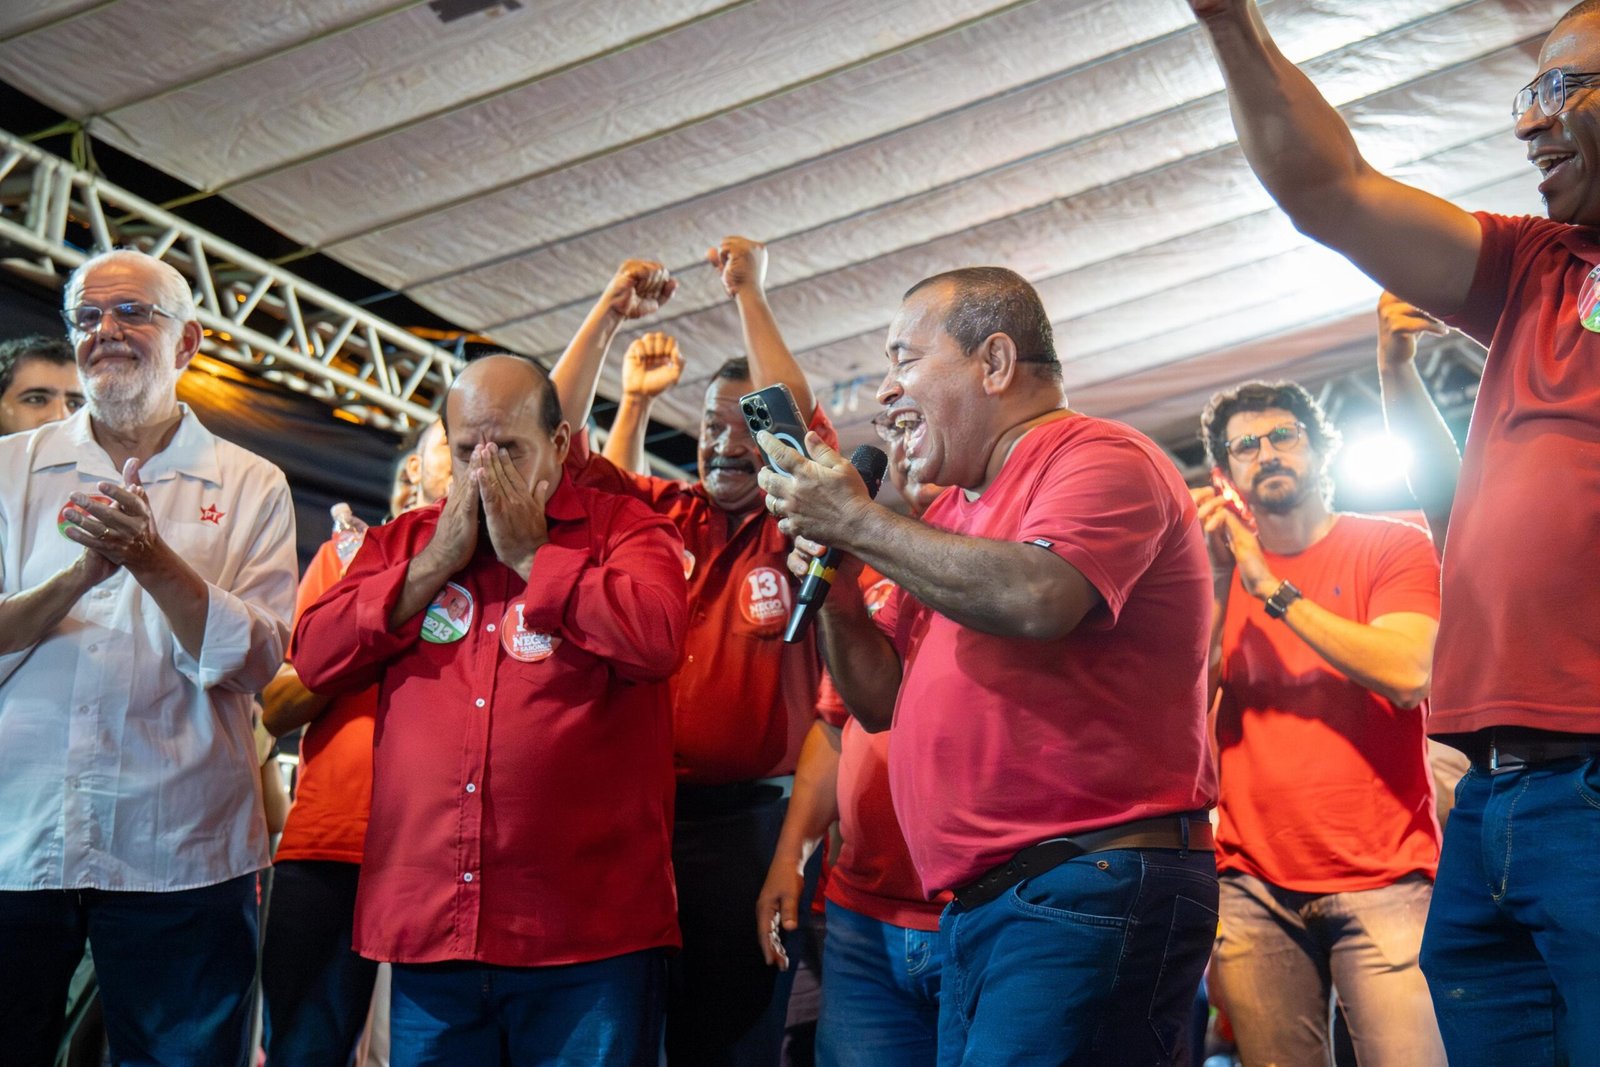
1278 603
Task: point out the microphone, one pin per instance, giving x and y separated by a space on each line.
871 463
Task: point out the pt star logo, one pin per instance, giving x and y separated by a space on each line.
210 514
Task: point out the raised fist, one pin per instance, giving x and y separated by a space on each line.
639 288
743 264
1399 323
652 365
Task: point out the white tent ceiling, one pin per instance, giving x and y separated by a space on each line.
497 165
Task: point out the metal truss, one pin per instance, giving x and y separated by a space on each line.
256 315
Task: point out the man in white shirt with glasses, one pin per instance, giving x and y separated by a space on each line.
147 573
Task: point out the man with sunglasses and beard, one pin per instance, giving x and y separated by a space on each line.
1327 844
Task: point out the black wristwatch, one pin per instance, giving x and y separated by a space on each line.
1281 598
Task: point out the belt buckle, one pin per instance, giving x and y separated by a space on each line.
1497 767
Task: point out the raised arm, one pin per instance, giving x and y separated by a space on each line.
743 264
639 288
1409 411
651 366
1411 242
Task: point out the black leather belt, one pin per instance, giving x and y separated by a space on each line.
1496 751
1190 831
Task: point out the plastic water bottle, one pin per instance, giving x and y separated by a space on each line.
348 532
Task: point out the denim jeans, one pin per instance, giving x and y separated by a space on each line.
880 1002
1281 953
1513 938
315 988
579 1015
176 971
1094 962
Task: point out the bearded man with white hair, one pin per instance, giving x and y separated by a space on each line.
147 574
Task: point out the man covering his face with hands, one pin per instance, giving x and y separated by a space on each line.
519 841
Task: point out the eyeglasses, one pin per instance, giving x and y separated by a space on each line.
86 318
1284 438
1550 90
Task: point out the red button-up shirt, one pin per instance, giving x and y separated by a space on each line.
743 700
522 770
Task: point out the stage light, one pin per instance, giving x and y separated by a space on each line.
1375 461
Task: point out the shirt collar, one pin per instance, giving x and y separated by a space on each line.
192 451
563 505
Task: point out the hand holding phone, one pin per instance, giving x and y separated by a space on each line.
1232 498
773 409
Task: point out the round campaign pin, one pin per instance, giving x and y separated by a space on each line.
764 597
449 617
1589 302
877 596
61 516
529 646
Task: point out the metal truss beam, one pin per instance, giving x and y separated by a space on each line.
256 315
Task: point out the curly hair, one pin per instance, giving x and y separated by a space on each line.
1264 396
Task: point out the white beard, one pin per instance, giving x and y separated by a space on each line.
128 399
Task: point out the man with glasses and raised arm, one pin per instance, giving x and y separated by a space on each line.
1327 842
1513 930
146 576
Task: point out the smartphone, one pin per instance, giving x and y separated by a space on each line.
1232 498
773 409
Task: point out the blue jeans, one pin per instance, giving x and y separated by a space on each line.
1281 954
176 971
315 988
608 1012
1093 962
880 1000
1514 933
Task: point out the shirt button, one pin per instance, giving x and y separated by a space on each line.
94 648
467 877
490 627
83 709
480 702
471 788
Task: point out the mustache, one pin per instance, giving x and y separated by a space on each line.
113 348
1269 472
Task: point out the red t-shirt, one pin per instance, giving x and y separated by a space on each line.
333 790
743 700
1517 640
522 765
1325 784
873 875
1001 742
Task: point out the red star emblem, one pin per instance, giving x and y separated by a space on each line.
210 514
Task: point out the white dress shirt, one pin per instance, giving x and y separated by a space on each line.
125 762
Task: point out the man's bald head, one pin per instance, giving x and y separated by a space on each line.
508 401
512 379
